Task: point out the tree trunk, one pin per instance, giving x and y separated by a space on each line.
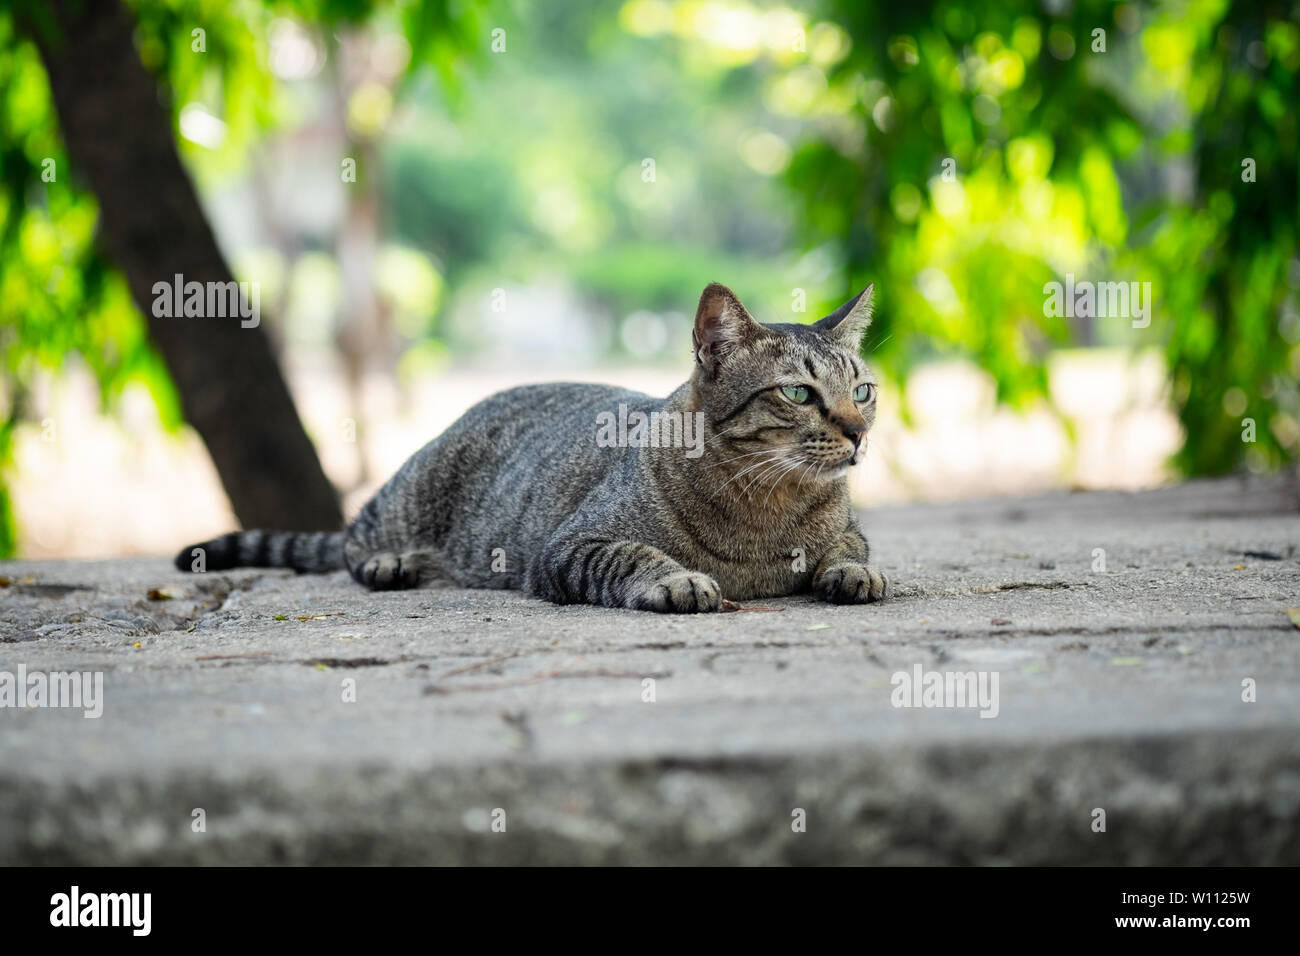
119 137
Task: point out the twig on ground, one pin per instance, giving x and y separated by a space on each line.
732 606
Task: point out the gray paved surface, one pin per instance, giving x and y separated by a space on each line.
1119 690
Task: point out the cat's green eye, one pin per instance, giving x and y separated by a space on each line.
862 392
796 393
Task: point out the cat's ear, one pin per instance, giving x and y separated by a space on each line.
722 326
847 324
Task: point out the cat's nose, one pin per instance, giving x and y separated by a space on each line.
853 431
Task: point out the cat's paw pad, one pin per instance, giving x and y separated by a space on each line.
681 592
852 584
387 572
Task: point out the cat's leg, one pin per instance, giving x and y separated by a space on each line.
620 573
381 552
392 570
844 575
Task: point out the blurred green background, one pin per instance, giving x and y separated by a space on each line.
612 158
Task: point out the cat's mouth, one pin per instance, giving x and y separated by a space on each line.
839 467
836 467
859 451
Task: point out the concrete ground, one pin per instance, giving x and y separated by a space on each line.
262 717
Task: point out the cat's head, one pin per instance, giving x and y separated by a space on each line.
784 401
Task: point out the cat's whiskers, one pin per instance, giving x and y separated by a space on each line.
794 463
807 469
761 451
763 474
745 491
774 457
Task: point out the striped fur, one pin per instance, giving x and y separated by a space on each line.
300 550
519 493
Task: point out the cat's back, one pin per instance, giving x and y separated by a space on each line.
529 435
527 405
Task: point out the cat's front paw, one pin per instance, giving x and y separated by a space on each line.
681 592
852 584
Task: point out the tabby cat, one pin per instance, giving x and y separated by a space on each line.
525 491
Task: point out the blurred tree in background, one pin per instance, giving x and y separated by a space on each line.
1227 253
118 135
960 155
99 73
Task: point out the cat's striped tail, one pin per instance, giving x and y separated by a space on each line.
300 550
